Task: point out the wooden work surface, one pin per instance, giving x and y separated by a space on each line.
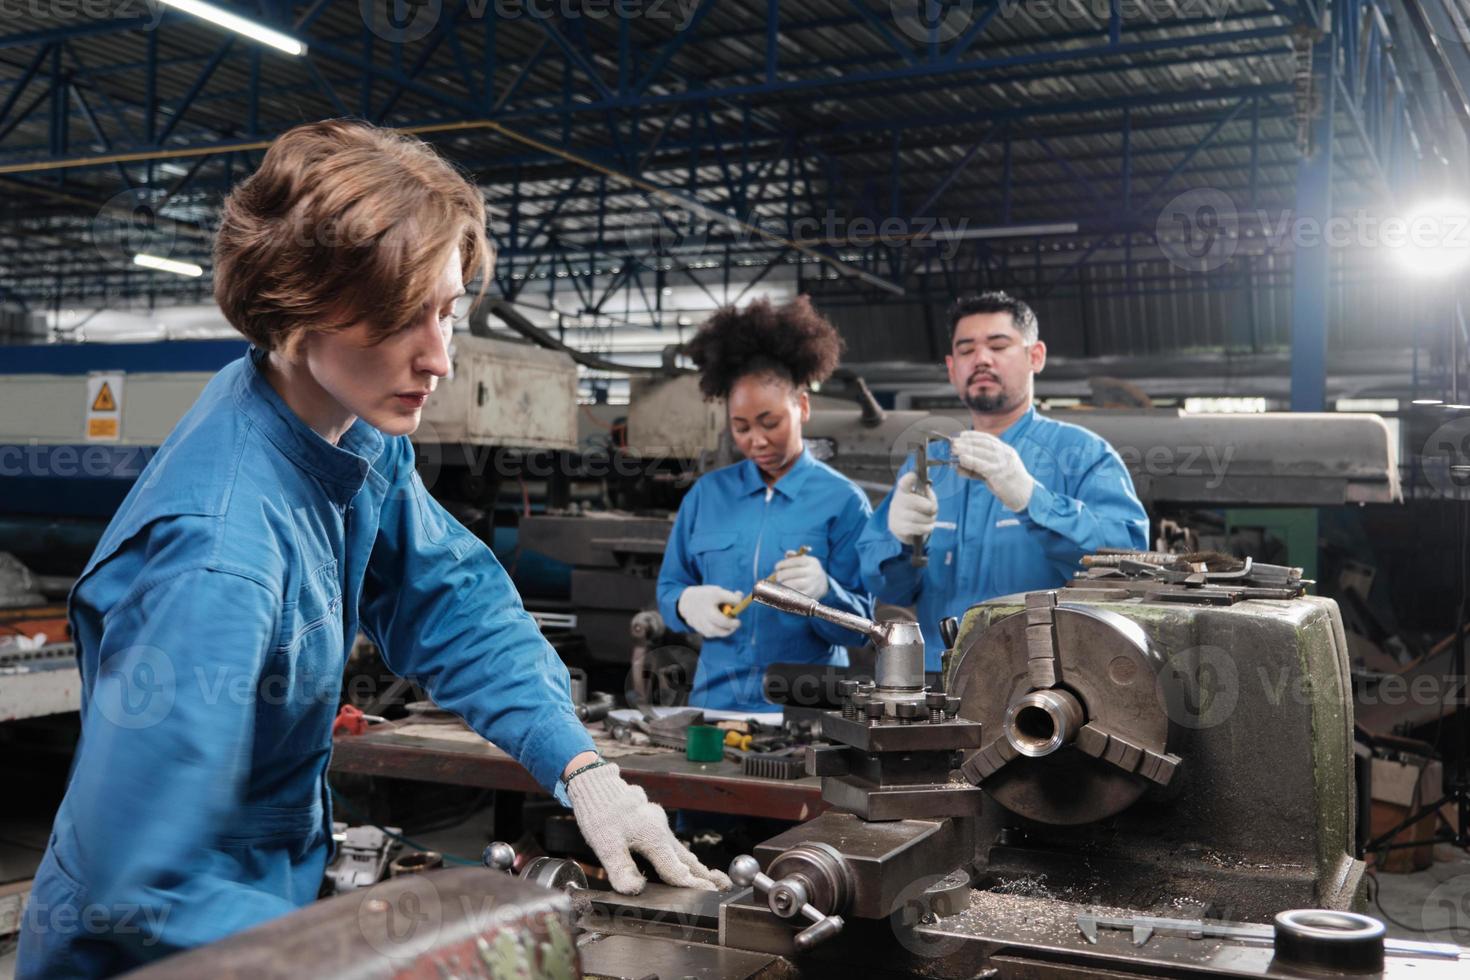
443 753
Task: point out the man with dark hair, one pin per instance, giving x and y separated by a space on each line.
1024 498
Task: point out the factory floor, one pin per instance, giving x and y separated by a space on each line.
1433 904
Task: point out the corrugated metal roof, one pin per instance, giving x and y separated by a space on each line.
856 116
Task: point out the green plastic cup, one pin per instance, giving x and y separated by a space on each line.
706 743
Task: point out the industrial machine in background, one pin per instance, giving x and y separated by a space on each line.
1148 772
1188 469
577 502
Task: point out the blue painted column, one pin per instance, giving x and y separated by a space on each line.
1312 264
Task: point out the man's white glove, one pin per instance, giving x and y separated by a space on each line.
617 821
911 514
804 573
981 456
699 606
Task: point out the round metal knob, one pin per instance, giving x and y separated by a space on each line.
499 856
744 869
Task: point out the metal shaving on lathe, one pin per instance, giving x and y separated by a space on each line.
1112 558
1214 561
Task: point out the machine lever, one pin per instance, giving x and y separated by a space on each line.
787 899
920 543
801 604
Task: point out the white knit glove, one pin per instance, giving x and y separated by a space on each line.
910 513
804 573
699 606
981 456
617 821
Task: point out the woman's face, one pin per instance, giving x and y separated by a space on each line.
386 384
766 415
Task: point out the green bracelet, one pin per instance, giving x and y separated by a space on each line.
577 772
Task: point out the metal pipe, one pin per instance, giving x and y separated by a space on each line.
1041 722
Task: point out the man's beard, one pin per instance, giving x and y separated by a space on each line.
988 402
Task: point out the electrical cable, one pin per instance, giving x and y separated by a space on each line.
361 818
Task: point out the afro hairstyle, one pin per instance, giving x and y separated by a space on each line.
792 342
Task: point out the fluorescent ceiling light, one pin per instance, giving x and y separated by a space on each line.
1428 401
1229 404
238 24
1005 231
167 265
1367 405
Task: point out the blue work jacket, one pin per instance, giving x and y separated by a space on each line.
212 626
731 531
1083 500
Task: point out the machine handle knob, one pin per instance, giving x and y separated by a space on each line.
499 856
801 604
786 898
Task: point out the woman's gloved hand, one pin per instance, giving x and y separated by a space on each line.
617 822
804 573
911 514
699 606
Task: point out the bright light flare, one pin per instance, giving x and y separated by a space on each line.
167 265
240 25
1436 240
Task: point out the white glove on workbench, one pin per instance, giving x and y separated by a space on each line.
699 607
804 573
617 821
981 456
910 513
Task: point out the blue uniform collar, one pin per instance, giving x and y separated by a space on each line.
1018 427
345 465
790 483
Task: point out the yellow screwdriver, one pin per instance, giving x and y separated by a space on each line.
733 609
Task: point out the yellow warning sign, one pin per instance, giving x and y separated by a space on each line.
104 402
105 397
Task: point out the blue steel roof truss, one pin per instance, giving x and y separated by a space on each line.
584 129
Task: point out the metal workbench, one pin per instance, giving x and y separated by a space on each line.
667 777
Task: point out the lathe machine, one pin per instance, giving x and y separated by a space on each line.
1147 773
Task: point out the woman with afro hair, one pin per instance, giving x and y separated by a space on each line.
745 522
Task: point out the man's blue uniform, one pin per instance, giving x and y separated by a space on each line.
731 531
1083 500
212 626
